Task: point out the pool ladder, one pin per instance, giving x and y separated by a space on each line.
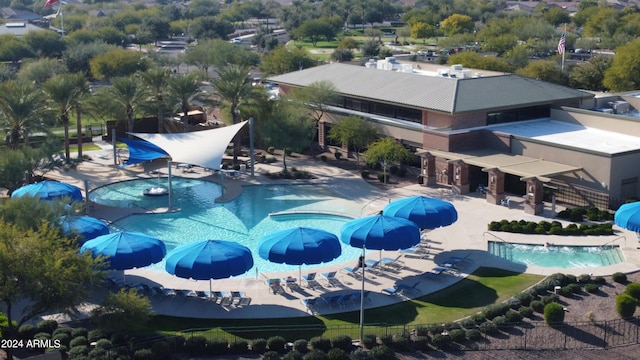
499 248
618 257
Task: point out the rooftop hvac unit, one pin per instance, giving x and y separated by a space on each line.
605 110
620 107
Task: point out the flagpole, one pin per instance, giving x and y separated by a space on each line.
564 45
61 19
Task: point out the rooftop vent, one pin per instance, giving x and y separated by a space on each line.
16 25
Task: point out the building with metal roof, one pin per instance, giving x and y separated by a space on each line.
506 133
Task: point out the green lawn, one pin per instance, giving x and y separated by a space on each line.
484 287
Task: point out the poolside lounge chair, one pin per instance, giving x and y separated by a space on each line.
373 265
236 297
391 263
274 285
217 296
291 283
401 289
204 295
334 300
330 278
351 271
310 281
226 300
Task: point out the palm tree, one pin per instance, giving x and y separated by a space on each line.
157 81
64 92
183 89
234 88
22 110
129 93
83 90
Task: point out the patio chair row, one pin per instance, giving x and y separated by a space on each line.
223 298
334 301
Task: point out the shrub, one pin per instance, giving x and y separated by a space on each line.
287 152
26 331
420 342
338 155
77 341
80 331
337 354
386 339
323 158
218 346
488 328
574 288
457 335
383 178
441 341
537 306
468 323
276 343
161 350
78 351
292 355
400 342
525 298
365 174
239 347
592 288
479 318
103 343
271 150
584 278
492 311
382 352
320 343
526 311
96 334
626 305
452 326
435 329
619 277
500 321
62 330
120 338
370 341
513 316
48 326
316 355
42 336
343 342
633 290
473 334
599 280
553 313
196 345
271 355
259 346
301 346
63 338
144 354
98 354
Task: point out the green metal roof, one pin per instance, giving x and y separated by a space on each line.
449 95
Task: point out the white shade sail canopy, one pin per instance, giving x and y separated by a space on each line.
203 148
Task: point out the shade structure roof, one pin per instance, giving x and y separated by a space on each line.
49 190
628 216
126 250
380 232
426 212
86 227
209 259
140 151
203 148
299 246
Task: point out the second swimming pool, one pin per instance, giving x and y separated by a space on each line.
245 220
557 256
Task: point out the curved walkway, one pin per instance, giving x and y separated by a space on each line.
468 236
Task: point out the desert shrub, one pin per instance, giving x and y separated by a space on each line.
513 316
364 174
42 336
525 298
592 288
420 342
574 288
337 354
555 230
452 326
457 335
488 328
564 291
271 355
288 152
320 343
323 158
550 298
473 334
386 339
492 311
494 226
400 342
338 155
599 280
626 305
633 290
382 352
370 341
144 354
619 277
584 278
526 311
77 341
301 346
259 346
26 331
383 178
80 331
63 338
98 354
239 347
293 355
48 326
276 343
553 313
441 341
218 346
96 334
196 345
343 342
537 306
435 329
500 321
468 323
479 318
422 330
78 351
62 330
271 150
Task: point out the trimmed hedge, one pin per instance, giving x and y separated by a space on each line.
626 305
554 228
553 313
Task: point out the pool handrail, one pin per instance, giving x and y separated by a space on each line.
318 212
508 244
616 239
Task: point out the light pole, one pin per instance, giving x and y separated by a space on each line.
362 297
251 149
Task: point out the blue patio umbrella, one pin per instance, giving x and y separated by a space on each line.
209 259
126 250
49 190
426 212
628 216
299 246
85 227
378 232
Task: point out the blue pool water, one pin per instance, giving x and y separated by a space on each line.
557 256
245 219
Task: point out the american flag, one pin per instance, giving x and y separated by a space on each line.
561 44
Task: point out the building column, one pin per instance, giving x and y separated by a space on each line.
460 177
533 202
495 195
428 170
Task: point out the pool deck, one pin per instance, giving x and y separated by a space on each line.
467 237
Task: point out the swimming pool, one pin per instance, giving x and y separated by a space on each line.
245 219
557 256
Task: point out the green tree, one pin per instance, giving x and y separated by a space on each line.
370 48
354 132
218 53
18 165
473 60
42 270
28 213
545 70
129 94
64 93
318 96
589 75
422 30
183 89
22 110
117 63
557 16
45 43
14 49
315 29
234 87
624 73
40 70
457 24
387 152
283 60
79 54
157 81
125 311
209 27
